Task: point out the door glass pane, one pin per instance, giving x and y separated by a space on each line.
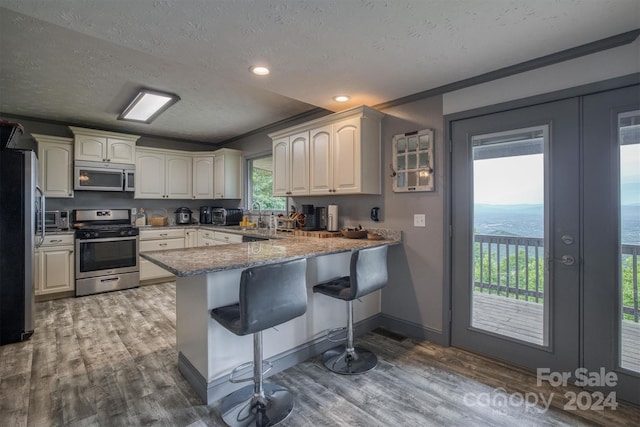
509 289
629 145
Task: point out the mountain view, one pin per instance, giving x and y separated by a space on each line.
527 220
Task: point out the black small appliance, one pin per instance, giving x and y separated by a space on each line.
315 218
205 214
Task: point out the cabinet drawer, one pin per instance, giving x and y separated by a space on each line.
227 237
161 234
206 234
57 239
157 245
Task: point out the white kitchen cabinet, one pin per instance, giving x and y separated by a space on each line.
203 176
206 238
54 262
155 240
291 165
350 166
213 238
227 181
162 175
320 163
190 238
178 177
55 165
343 155
101 146
281 185
150 175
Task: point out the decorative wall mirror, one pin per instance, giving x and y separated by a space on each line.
413 161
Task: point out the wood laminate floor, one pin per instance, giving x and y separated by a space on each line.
110 360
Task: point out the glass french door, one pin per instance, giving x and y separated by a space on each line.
611 241
546 236
515 206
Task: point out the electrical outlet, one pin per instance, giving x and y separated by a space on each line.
419 220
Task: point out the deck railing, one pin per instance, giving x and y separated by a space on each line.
513 267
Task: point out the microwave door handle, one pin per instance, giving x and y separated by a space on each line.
42 217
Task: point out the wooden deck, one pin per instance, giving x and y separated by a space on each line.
523 320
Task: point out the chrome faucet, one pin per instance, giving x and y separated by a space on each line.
260 222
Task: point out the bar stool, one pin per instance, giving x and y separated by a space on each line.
368 274
269 295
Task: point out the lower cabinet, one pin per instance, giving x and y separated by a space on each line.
212 238
155 240
158 239
190 238
54 262
226 238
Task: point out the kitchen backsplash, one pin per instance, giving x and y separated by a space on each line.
108 200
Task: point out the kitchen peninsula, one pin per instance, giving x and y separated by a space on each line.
209 277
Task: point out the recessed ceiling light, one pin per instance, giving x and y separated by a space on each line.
341 98
259 70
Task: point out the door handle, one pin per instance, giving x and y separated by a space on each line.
567 260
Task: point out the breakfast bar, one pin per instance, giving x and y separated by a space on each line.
209 277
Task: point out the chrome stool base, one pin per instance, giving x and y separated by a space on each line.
340 361
244 408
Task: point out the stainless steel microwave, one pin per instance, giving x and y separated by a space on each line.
98 176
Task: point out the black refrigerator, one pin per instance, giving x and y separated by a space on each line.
21 203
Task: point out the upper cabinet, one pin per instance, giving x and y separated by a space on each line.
291 165
163 174
174 174
55 165
227 182
336 154
203 177
102 146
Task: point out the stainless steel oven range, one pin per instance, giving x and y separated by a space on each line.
107 249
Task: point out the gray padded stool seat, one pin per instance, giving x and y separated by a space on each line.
368 273
269 295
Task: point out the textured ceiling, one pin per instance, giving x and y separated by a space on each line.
81 61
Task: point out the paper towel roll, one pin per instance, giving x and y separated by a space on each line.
332 218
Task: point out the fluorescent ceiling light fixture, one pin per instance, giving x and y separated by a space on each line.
259 70
341 98
148 105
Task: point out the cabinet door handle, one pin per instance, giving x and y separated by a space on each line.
56 240
163 244
163 234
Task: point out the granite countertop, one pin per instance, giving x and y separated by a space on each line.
208 259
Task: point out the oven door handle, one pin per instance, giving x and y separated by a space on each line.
110 279
107 239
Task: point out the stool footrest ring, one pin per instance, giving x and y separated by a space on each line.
266 367
335 332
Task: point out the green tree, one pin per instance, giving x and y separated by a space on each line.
262 190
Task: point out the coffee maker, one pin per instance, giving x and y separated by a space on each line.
315 218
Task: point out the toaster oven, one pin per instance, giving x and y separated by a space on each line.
56 220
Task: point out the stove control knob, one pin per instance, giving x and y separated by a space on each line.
123 232
131 232
95 234
87 234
